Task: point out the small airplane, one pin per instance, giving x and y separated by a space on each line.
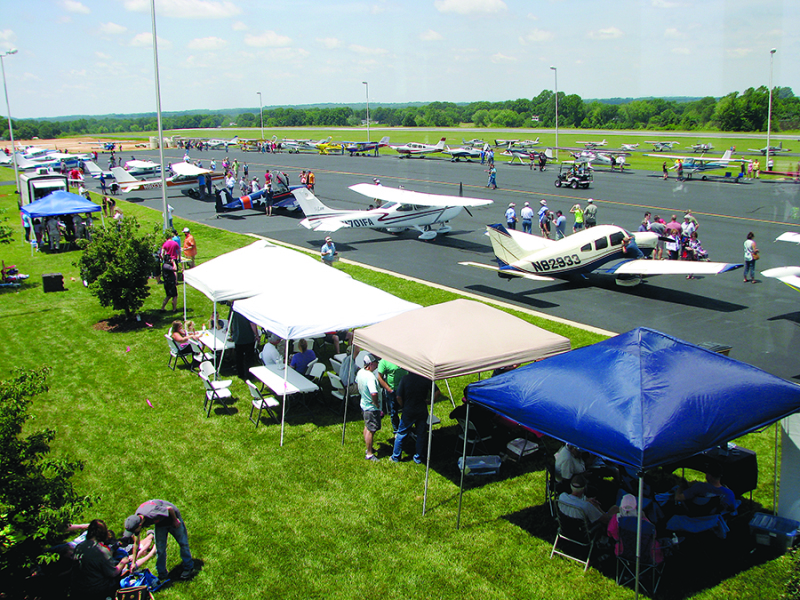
661 146
599 250
184 174
522 155
610 158
694 164
472 142
788 275
281 197
416 149
364 148
702 147
223 144
96 171
499 143
142 167
593 145
401 210
773 150
468 153
630 147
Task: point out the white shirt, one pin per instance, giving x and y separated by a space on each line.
270 356
527 213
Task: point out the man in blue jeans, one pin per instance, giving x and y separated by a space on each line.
167 519
412 396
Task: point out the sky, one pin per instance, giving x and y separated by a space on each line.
95 57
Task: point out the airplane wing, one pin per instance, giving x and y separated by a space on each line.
506 273
667 267
788 275
326 225
141 164
388 194
187 169
789 236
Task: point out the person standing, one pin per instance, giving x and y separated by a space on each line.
311 178
544 219
243 335
750 257
328 252
659 228
370 403
412 396
389 376
561 225
189 247
577 211
169 274
492 183
664 170
511 216
27 224
168 521
246 170
527 218
590 214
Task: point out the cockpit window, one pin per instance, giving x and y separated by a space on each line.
586 248
616 238
601 243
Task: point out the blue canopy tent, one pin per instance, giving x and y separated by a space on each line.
641 399
60 203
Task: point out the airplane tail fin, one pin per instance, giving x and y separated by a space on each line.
536 141
549 153
122 176
440 145
235 139
727 156
505 247
24 163
310 204
384 141
92 168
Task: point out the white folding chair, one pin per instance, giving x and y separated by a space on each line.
261 403
338 390
215 390
336 365
309 366
175 353
200 355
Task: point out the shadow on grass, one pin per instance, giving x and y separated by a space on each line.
702 561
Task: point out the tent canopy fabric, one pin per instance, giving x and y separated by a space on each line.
60 203
259 267
458 338
641 399
325 302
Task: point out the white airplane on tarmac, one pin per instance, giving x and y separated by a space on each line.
184 174
223 144
604 249
698 164
416 149
702 147
401 210
661 146
788 275
593 145
630 147
773 150
467 153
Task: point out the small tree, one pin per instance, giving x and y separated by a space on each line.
37 499
6 232
117 264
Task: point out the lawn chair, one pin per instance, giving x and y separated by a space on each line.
338 390
176 354
261 403
474 438
336 365
215 390
198 353
651 564
550 486
576 532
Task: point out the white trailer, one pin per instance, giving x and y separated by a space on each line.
33 186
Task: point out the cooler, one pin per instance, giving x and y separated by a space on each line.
480 465
773 531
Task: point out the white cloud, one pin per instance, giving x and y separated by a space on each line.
536 36
112 29
681 51
145 40
330 43
368 51
673 34
75 7
430 36
102 56
239 26
502 58
610 33
187 9
532 17
738 52
207 44
7 37
377 9
470 7
268 39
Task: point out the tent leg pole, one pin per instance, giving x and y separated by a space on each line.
775 473
463 468
428 464
639 532
283 408
347 393
449 393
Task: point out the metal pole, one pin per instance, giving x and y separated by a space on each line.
556 74
430 440
261 111
158 118
367 84
769 112
8 110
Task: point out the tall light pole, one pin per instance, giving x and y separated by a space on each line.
367 84
261 110
164 205
555 70
769 111
8 110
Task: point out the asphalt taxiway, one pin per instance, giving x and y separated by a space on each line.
761 322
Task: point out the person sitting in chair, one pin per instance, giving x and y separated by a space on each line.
709 488
627 508
181 337
301 360
575 504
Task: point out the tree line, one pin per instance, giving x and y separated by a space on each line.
735 112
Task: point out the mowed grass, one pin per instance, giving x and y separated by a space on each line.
310 519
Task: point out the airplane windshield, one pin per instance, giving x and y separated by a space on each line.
405 208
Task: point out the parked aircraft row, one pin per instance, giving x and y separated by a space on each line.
694 164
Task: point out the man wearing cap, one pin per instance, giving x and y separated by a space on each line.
590 214
328 252
167 519
269 354
527 218
370 402
511 216
189 247
544 219
576 505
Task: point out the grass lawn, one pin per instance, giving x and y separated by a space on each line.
311 519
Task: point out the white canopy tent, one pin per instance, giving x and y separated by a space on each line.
318 304
457 338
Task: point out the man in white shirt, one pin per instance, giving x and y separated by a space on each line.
576 505
370 402
270 355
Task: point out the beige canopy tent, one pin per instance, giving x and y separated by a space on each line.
457 338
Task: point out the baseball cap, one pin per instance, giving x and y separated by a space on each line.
370 358
511 204
542 201
527 204
185 230
328 239
132 523
590 201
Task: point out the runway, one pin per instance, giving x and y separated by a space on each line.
761 322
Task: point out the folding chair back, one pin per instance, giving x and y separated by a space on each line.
550 484
336 365
575 534
650 569
310 365
261 403
338 390
216 390
175 353
315 372
473 436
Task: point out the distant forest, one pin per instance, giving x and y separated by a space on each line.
745 112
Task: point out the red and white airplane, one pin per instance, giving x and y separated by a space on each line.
416 149
184 174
